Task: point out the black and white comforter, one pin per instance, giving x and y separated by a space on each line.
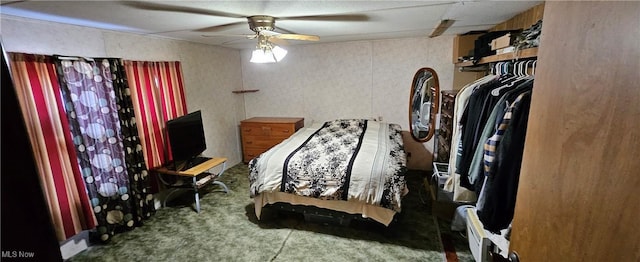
352 159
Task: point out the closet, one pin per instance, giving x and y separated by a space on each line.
490 78
489 122
579 166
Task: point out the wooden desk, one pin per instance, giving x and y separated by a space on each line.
200 176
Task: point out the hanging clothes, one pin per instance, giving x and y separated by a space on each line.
502 167
474 117
490 118
481 105
475 173
452 184
489 138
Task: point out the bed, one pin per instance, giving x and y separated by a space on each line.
348 166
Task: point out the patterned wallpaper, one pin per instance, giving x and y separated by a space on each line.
363 79
210 73
320 82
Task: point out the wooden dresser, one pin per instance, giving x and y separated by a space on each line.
259 134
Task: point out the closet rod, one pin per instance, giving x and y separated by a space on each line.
480 68
509 66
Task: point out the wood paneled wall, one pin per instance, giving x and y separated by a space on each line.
523 20
577 198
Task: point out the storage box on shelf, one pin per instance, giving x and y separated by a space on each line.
508 49
502 42
524 53
519 22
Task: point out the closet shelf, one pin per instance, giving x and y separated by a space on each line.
524 53
244 91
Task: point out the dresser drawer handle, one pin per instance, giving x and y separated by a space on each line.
247 130
249 142
285 131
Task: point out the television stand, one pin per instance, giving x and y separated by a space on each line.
196 178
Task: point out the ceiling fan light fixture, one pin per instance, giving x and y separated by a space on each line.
268 55
279 53
260 56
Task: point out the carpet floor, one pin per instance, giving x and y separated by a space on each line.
226 229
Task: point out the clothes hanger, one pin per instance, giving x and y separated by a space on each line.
533 68
505 68
521 65
509 76
517 68
522 69
497 68
526 73
511 81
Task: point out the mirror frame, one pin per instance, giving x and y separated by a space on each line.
435 104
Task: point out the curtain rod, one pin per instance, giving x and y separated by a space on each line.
74 58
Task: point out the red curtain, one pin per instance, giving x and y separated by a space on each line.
157 93
38 91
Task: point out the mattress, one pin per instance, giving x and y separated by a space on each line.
350 165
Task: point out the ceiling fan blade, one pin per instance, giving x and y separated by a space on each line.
268 33
182 9
342 17
235 41
217 28
270 37
297 37
285 30
232 35
277 41
11 2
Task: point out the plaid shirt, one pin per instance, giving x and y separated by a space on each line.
492 143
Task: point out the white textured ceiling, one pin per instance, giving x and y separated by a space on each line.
180 19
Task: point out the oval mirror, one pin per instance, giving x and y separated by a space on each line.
423 104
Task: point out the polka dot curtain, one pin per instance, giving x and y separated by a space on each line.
105 138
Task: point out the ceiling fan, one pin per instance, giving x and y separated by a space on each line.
263 26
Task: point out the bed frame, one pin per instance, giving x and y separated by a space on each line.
320 215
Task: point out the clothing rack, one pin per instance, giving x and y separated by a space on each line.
488 134
518 68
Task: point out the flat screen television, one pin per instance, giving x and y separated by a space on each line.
185 135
